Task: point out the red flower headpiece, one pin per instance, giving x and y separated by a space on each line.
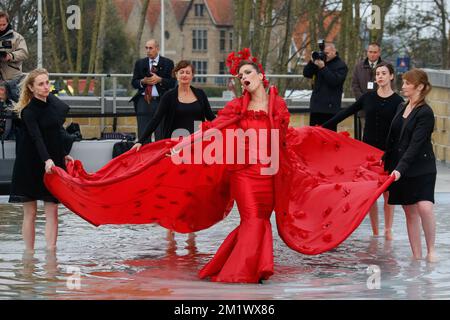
234 59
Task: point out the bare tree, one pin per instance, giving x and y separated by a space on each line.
93 47
49 22
349 43
376 34
79 60
65 32
421 33
443 20
140 29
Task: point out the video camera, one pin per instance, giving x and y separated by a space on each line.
320 55
5 44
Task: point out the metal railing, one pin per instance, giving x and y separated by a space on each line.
115 76
110 105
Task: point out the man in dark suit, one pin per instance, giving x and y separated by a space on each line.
363 79
329 77
152 77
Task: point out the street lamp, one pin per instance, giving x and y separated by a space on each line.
162 28
39 34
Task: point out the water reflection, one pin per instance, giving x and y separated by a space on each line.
29 264
172 245
51 264
147 262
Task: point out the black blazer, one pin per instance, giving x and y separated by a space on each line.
166 112
413 155
142 69
379 113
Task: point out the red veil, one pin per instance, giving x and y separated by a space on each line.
324 187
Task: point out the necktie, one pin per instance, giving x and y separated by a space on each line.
148 88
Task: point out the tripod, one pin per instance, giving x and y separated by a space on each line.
2 132
2 127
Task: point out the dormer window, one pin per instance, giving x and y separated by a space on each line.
199 9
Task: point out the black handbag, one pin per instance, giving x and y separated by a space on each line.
129 136
121 147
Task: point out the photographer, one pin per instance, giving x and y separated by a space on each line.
9 123
5 124
13 50
328 72
5 112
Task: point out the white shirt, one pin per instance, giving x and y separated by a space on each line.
151 63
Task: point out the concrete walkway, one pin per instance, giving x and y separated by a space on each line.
443 177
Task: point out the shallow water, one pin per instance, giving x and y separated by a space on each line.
139 262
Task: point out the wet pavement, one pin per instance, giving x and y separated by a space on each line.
141 262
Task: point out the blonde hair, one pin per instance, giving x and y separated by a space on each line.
25 93
418 77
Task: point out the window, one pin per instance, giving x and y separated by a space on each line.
199 40
201 67
222 40
222 70
231 40
199 10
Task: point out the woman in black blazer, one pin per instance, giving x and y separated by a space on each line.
180 107
40 148
409 156
380 107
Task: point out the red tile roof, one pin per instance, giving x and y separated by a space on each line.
302 27
180 9
153 13
124 8
222 11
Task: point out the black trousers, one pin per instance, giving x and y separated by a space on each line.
145 112
317 118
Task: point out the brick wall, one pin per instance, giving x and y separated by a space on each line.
439 100
299 120
91 127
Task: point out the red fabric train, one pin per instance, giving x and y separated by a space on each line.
324 187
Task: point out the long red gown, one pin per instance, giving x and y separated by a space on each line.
325 185
246 255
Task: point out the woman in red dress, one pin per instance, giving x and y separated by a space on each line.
253 193
320 184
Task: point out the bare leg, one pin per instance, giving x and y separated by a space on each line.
170 236
28 226
171 243
388 217
51 224
190 243
373 214
51 264
425 209
413 226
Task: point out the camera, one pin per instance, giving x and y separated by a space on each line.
5 45
320 55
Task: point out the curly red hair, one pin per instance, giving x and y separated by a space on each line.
236 60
